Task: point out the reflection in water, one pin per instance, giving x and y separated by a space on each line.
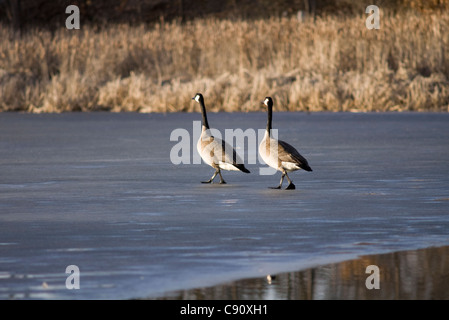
407 275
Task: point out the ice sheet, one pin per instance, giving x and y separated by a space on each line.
98 190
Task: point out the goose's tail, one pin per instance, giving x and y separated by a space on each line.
242 168
306 167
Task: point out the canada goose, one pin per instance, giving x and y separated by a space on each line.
285 158
216 152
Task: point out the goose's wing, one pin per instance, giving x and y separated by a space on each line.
287 153
218 150
230 156
215 151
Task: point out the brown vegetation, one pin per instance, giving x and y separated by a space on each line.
330 63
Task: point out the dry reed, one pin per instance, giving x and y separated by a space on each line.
329 64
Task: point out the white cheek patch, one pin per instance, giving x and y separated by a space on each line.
197 98
266 102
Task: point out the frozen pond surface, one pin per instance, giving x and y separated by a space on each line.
98 190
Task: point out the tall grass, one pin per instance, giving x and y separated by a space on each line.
332 63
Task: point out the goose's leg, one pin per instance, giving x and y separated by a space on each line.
221 178
213 177
290 186
280 183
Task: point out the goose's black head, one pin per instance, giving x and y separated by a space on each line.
268 102
198 97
